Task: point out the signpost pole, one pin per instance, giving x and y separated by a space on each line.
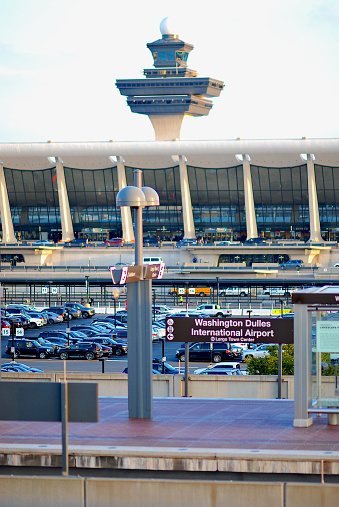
186 368
13 347
280 356
64 423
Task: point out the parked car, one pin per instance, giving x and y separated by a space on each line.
53 336
219 366
36 317
23 321
84 350
292 264
115 348
121 315
19 368
235 291
187 242
114 241
92 330
5 324
48 343
227 243
35 320
53 318
165 368
59 310
72 313
32 348
43 242
154 371
85 312
202 352
260 351
255 241
221 371
15 321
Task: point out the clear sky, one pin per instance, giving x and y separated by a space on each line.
59 60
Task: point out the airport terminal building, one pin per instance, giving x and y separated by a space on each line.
216 189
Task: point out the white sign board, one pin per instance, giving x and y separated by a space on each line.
181 290
191 291
19 331
54 290
6 331
44 290
327 336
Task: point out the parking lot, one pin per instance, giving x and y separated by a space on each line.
113 364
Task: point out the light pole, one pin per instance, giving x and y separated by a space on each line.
217 290
87 289
139 304
5 294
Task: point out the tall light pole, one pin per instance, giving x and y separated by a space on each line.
139 305
87 289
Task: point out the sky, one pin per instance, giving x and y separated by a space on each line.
59 60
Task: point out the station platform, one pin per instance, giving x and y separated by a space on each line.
219 438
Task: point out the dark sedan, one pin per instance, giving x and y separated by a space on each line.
117 349
203 352
83 350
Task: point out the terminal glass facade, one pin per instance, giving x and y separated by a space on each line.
217 195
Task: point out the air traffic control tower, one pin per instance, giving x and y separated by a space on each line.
170 90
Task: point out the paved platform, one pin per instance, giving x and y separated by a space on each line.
186 434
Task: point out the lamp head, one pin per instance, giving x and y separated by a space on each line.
131 196
151 196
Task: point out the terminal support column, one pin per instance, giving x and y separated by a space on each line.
126 216
302 366
65 213
8 235
187 211
251 222
315 230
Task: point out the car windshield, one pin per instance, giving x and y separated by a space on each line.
37 344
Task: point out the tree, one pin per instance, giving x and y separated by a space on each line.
268 365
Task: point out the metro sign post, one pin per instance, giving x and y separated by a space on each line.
229 330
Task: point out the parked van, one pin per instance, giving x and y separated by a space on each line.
153 260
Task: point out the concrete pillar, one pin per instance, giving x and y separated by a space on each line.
251 222
66 219
166 127
126 216
8 235
302 366
315 230
186 203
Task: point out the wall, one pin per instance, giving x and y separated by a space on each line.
199 386
27 491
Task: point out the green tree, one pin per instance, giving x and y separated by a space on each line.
268 365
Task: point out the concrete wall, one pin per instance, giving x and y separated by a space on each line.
199 386
93 492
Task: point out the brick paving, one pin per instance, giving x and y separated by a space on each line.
186 423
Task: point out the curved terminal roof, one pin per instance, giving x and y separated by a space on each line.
158 154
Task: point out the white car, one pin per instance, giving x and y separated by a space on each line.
35 322
260 351
158 333
219 366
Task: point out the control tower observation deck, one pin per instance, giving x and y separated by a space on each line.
170 90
